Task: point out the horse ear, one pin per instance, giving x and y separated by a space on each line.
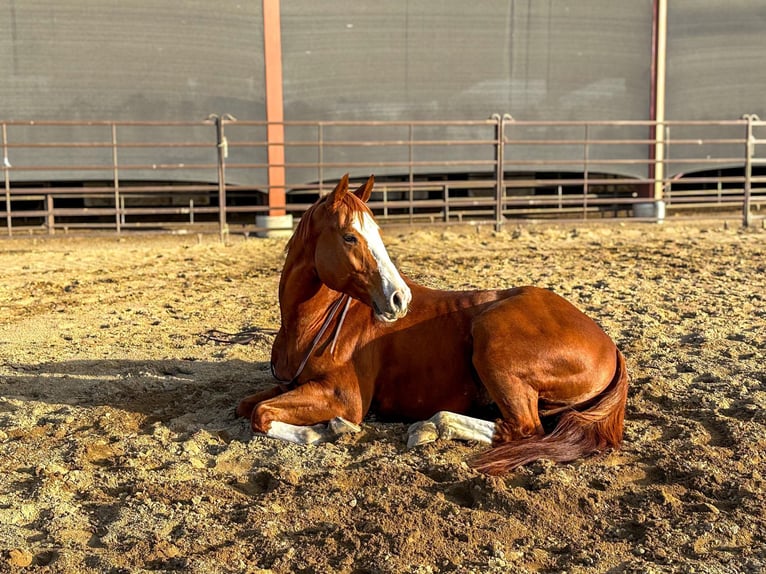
339 192
365 190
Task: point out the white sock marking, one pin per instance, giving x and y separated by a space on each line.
450 426
311 434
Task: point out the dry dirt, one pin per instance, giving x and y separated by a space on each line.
119 450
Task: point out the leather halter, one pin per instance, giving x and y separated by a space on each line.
287 385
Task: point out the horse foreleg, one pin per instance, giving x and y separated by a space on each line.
295 415
446 425
246 405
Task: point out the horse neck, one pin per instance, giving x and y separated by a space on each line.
303 298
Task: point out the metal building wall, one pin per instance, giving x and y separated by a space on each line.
126 60
415 59
716 70
130 60
402 59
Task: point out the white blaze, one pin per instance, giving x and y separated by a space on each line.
365 225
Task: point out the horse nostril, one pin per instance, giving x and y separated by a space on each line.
397 301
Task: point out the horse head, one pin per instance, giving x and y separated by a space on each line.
349 254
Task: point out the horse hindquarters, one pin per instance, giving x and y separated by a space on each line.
534 347
577 434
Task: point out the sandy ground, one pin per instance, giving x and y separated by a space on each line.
119 450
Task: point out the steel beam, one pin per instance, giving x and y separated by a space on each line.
275 131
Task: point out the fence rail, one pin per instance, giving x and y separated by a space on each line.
214 174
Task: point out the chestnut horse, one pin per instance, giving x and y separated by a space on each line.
356 335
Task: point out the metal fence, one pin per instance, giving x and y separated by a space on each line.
213 174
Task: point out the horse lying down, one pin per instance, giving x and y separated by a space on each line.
356 335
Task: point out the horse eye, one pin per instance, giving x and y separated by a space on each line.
350 238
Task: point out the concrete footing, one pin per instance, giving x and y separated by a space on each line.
650 210
274 225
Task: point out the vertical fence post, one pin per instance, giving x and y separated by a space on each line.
7 176
446 203
667 190
499 146
116 181
586 183
749 151
320 158
410 171
659 63
50 219
500 168
223 152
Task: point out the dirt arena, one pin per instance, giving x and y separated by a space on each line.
119 450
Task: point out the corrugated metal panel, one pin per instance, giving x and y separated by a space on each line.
137 60
716 63
129 60
403 60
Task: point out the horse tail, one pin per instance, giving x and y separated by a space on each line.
577 434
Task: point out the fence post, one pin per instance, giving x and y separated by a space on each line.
749 151
586 167
116 182
410 172
50 219
7 176
320 158
500 168
499 146
223 152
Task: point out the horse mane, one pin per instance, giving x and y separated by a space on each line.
350 206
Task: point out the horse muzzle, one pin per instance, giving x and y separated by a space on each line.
395 307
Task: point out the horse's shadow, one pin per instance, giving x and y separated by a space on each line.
187 393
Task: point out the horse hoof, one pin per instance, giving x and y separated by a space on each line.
339 425
421 433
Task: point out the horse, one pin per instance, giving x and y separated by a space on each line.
356 335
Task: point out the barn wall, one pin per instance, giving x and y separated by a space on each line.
405 60
396 60
716 63
126 60
130 60
414 59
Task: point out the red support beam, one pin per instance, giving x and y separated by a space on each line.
275 134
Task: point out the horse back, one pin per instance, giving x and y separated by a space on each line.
538 337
